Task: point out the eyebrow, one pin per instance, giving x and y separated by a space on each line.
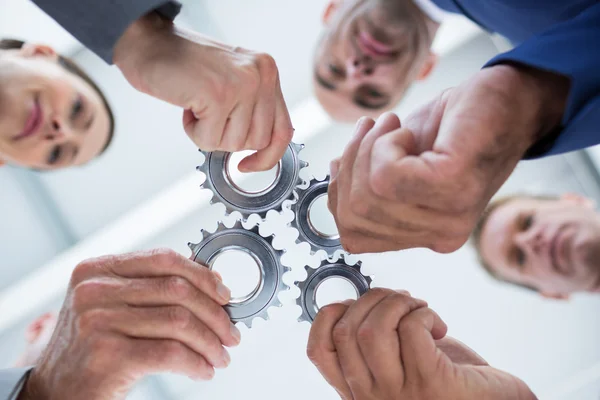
323 82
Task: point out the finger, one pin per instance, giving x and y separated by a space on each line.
418 332
165 322
459 353
281 137
150 356
237 128
263 119
345 339
157 263
321 350
386 151
343 179
205 131
334 167
378 337
177 291
388 122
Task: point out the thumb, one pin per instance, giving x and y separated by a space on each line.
386 153
418 332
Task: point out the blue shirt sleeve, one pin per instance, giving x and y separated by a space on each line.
572 49
12 381
98 24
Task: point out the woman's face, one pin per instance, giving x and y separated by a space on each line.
49 117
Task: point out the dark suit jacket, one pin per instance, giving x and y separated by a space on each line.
562 36
98 24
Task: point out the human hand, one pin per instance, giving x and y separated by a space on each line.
131 315
425 184
232 97
388 345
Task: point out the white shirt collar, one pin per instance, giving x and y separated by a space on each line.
432 10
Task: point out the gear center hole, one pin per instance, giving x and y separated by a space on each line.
334 290
241 271
250 183
320 220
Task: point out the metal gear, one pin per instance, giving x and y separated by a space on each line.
302 223
328 269
224 191
268 259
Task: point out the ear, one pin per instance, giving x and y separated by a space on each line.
32 50
555 296
330 10
575 198
430 62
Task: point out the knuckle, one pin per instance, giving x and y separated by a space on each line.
314 352
342 333
85 293
366 334
380 181
83 270
381 292
91 321
165 256
359 206
180 318
177 287
267 65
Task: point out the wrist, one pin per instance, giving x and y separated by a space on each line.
31 389
540 96
137 45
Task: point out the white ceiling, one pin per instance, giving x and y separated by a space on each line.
21 19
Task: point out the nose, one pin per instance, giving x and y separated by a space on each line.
358 67
57 131
530 241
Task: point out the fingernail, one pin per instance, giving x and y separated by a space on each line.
235 332
218 275
226 358
223 292
348 302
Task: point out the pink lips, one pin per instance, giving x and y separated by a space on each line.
372 46
33 122
557 252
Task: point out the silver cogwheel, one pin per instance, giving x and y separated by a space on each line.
328 269
268 259
302 223
225 191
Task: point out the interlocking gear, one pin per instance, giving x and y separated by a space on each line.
225 191
268 259
328 269
302 220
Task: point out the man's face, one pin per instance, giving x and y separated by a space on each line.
368 56
550 245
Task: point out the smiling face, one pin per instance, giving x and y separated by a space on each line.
49 117
370 53
550 245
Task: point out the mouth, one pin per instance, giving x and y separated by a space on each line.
33 123
558 252
370 46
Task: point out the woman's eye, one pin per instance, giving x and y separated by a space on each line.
77 108
335 70
375 94
527 222
54 155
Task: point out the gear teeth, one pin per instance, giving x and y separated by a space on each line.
361 282
241 203
305 195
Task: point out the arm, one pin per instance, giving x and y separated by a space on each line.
100 24
569 49
12 381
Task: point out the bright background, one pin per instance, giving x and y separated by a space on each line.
144 193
